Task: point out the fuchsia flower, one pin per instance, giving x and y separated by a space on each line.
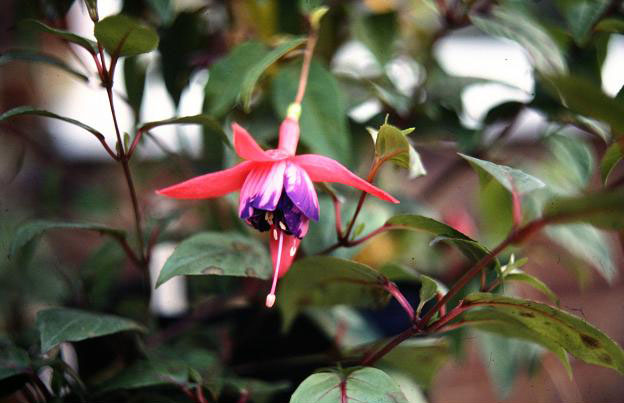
276 190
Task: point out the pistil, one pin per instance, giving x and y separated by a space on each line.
270 299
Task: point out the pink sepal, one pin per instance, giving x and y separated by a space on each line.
289 136
247 148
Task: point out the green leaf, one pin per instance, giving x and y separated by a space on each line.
611 158
224 83
83 42
602 209
124 36
428 290
587 243
378 33
419 358
572 333
581 15
511 24
364 385
29 110
13 361
26 232
615 25
58 325
163 367
254 73
321 281
201 119
134 79
217 253
442 232
345 325
92 9
586 98
163 8
323 119
506 325
37 57
519 275
392 144
512 179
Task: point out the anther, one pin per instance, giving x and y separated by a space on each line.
293 250
282 226
275 234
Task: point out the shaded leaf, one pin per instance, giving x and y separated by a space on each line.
602 209
581 15
92 9
29 110
162 367
26 232
544 52
163 8
83 42
254 73
224 83
58 325
216 253
428 290
553 325
615 25
514 180
611 158
323 121
377 32
201 119
584 97
345 325
13 361
518 275
124 36
442 232
364 385
420 359
134 80
318 281
37 57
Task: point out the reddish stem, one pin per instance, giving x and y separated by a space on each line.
392 288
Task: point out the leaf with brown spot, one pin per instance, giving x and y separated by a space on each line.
549 326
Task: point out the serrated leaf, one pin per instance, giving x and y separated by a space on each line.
217 253
224 83
256 70
364 385
29 110
377 32
13 361
124 36
586 98
83 42
602 209
472 249
323 121
58 325
26 232
544 52
321 281
581 15
201 119
420 359
572 333
611 158
37 57
518 275
514 180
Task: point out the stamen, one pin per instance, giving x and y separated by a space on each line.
275 234
293 250
268 216
270 299
282 226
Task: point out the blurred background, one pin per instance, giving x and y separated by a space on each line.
431 65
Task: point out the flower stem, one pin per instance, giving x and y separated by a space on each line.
307 60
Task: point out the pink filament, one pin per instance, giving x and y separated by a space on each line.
270 299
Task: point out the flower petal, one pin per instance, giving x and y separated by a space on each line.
300 190
289 250
262 188
324 169
210 185
247 148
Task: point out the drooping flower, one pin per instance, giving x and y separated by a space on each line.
276 189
